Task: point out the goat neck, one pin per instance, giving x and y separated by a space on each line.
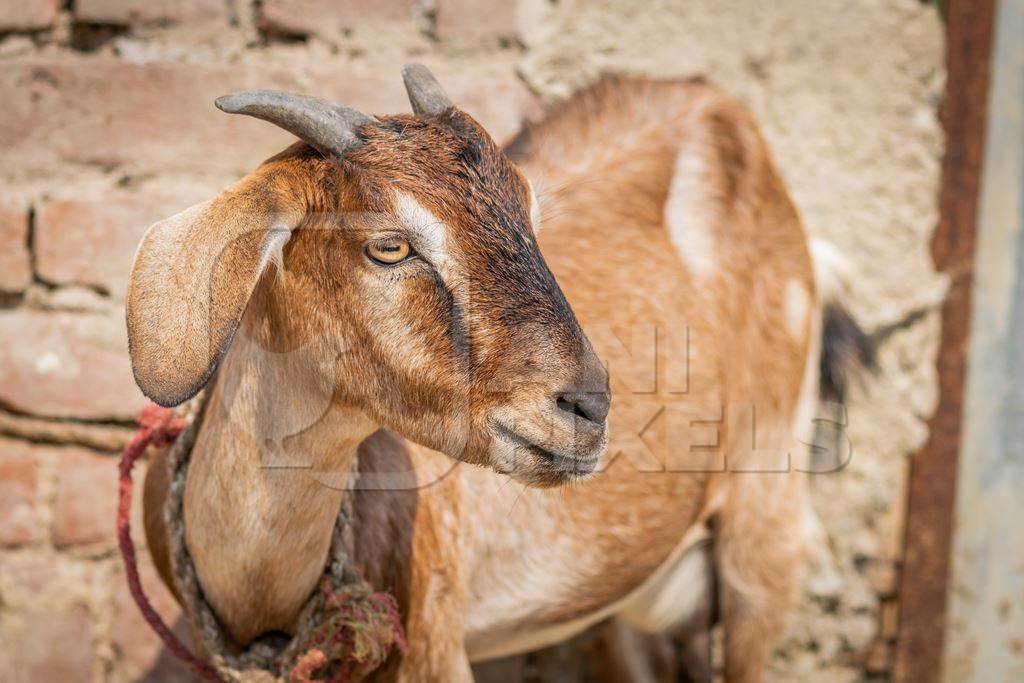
270 466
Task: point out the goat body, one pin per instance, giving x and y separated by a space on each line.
667 227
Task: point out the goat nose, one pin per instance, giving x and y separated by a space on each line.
590 406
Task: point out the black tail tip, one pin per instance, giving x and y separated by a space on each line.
845 348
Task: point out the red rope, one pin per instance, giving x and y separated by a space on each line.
159 427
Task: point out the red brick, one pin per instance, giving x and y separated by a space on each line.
15 267
160 118
93 241
47 646
324 17
30 578
141 654
148 11
476 20
26 15
19 478
66 365
86 498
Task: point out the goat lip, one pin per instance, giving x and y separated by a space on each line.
569 463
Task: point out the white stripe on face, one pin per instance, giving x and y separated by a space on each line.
430 234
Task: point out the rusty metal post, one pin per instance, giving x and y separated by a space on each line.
985 622
932 485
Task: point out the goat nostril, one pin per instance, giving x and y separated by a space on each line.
570 406
590 407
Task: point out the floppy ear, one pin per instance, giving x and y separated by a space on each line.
192 279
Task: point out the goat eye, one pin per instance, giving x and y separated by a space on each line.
389 251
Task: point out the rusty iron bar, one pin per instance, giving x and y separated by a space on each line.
932 486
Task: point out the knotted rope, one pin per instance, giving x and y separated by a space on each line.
345 630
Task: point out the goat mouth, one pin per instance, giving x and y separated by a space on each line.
569 464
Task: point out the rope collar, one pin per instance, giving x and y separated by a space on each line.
345 630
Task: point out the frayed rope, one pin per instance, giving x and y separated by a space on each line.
360 630
158 427
358 627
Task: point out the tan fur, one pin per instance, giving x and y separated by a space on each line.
480 560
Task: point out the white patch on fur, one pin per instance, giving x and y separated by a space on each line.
534 209
832 270
797 306
430 235
689 217
678 591
803 426
273 249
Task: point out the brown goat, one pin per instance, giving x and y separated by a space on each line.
379 290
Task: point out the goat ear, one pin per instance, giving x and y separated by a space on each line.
192 279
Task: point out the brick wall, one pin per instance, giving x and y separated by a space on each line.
107 125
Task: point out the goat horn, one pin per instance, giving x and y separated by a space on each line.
425 94
328 127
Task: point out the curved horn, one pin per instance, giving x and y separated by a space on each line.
326 126
425 94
